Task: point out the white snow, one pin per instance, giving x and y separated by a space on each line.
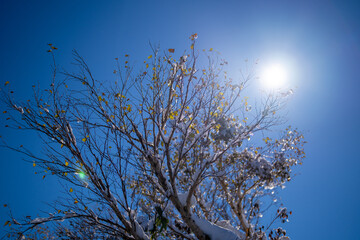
284 238
215 232
183 197
261 167
196 174
140 231
70 214
39 220
20 109
226 224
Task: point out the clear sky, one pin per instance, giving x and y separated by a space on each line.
319 39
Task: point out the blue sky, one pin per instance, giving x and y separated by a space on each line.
321 40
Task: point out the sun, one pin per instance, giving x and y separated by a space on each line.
274 76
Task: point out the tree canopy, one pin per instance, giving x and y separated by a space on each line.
169 150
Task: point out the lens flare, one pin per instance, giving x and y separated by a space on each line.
81 175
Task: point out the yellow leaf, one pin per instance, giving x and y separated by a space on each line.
194 36
6 223
147 65
149 56
7 82
76 201
71 190
210 49
66 164
65 173
192 46
84 139
34 164
62 145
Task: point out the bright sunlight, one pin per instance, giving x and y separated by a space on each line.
274 76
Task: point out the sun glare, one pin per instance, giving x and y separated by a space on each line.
274 76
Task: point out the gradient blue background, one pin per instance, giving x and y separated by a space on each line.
321 38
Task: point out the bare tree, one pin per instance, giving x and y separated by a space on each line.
173 151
